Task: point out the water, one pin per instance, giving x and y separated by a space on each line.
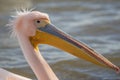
95 22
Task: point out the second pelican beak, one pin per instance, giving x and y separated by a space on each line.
49 34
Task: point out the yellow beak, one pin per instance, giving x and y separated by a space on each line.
50 35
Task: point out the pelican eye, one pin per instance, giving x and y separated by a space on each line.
38 21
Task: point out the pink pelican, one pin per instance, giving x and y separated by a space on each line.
32 28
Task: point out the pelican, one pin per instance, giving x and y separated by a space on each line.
33 28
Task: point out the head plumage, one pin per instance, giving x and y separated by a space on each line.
16 15
12 20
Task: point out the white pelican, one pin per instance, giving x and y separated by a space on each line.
32 28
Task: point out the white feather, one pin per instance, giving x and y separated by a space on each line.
11 25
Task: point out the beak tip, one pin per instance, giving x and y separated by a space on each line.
118 70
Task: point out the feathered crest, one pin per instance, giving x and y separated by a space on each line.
12 20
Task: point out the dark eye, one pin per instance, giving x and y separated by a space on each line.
38 21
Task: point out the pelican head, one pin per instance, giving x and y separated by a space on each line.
38 28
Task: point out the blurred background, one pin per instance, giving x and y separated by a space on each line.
94 22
